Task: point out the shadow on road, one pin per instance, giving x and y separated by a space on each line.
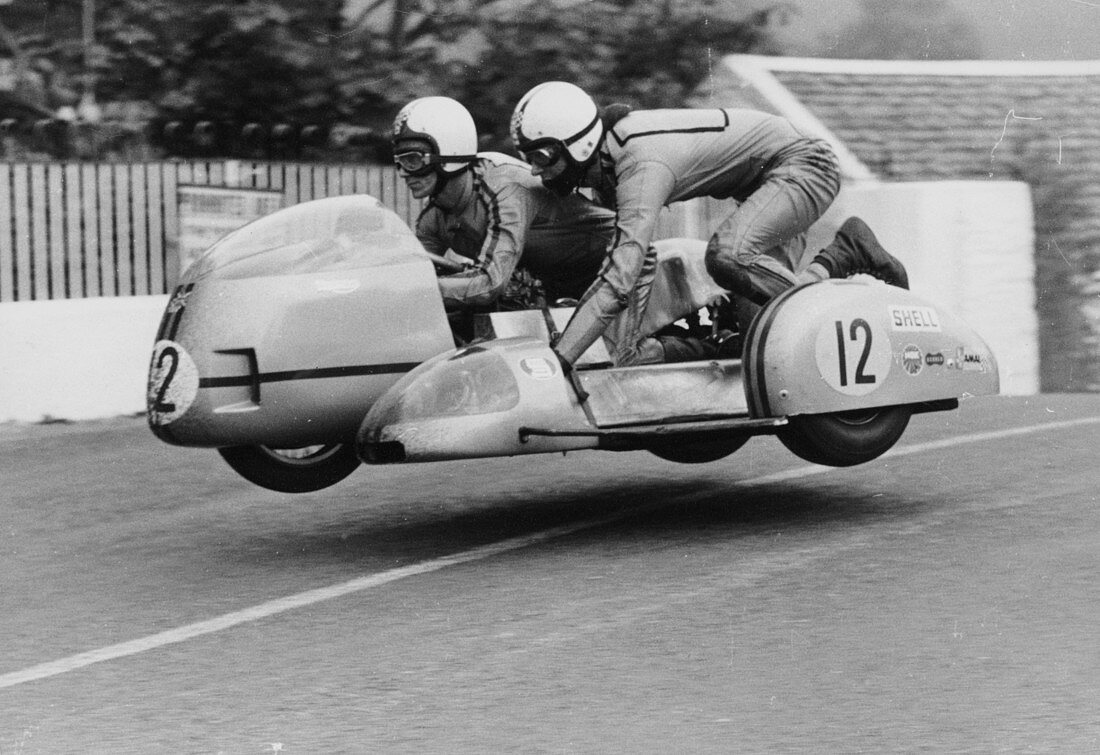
649 511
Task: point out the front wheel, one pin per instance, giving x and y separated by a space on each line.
845 439
292 470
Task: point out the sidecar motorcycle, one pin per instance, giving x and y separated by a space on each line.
314 339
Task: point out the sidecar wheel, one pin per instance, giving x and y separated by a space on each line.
292 470
698 451
844 439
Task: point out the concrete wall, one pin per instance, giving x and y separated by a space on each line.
77 358
968 247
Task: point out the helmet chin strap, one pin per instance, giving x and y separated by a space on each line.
566 182
444 180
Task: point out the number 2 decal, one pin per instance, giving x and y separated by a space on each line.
169 353
173 383
852 356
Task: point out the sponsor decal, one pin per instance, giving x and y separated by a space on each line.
173 383
969 361
934 359
179 300
538 368
912 359
914 319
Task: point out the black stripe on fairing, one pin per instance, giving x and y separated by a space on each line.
756 384
170 322
314 374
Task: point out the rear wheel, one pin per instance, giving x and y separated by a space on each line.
697 451
292 470
844 439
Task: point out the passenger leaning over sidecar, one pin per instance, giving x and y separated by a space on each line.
490 213
637 162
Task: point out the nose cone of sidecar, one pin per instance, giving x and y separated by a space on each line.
285 331
474 402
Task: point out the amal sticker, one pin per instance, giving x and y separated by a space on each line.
173 383
853 357
970 361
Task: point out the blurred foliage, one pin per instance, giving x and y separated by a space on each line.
287 62
487 54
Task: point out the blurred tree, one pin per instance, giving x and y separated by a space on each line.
43 36
240 58
268 62
913 30
232 61
487 53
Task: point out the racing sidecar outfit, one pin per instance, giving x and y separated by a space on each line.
508 218
781 179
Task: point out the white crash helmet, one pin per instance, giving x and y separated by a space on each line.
558 111
445 124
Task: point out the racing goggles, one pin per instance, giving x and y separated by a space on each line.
544 156
415 162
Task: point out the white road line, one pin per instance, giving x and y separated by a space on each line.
319 595
936 445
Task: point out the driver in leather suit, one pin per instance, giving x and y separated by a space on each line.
638 162
486 211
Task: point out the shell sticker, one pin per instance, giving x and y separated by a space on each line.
173 383
914 319
853 357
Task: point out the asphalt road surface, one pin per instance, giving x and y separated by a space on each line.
944 598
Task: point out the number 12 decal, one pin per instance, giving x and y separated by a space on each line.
858 324
852 356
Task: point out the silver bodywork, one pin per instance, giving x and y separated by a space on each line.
826 348
321 329
286 331
852 344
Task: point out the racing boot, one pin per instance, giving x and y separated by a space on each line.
856 250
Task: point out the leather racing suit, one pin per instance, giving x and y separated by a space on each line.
506 218
781 180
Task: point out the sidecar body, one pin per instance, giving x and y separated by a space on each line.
835 369
315 338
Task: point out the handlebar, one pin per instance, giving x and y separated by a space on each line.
444 264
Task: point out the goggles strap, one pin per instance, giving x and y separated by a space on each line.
577 136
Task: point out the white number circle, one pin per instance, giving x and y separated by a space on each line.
173 383
852 356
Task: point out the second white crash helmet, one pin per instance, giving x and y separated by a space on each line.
558 111
445 124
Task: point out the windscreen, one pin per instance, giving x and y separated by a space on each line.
325 235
